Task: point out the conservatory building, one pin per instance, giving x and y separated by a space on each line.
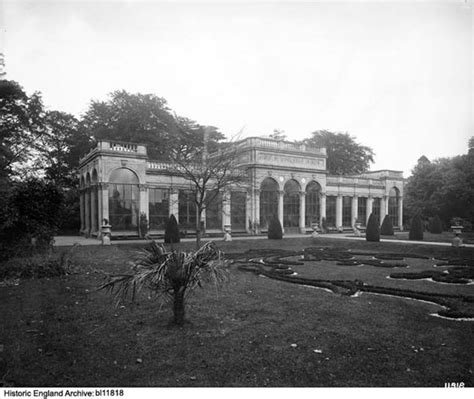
120 184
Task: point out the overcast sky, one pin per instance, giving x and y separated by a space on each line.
398 76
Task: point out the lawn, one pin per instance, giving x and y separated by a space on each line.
256 332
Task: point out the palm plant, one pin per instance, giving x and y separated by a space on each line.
170 276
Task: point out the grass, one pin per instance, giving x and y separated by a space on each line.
256 332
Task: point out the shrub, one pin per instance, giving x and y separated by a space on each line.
416 229
172 231
436 226
372 232
274 229
387 227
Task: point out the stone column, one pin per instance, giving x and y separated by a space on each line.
226 209
302 212
82 210
87 213
281 195
355 210
322 206
339 211
400 213
370 202
383 208
257 208
174 203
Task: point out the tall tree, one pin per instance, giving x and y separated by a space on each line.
209 172
344 154
138 118
21 124
443 187
61 146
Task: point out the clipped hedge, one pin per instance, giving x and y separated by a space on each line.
172 235
275 231
387 228
416 229
372 232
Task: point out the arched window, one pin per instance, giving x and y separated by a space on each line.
393 203
313 192
238 201
291 204
123 200
268 201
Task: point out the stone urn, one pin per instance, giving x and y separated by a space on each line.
227 231
315 228
457 240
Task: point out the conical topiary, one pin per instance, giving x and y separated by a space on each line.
416 229
387 227
372 232
436 227
171 231
274 229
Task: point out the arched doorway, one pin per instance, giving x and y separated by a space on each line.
268 201
291 205
123 200
312 204
393 204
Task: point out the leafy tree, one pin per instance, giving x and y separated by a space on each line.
21 124
208 173
416 228
61 146
275 231
140 118
444 187
344 154
30 217
172 231
171 276
387 228
372 232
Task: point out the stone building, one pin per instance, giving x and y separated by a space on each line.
119 183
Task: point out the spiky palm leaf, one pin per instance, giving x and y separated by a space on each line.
164 273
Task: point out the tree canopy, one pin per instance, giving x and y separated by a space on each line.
344 154
145 119
443 187
21 123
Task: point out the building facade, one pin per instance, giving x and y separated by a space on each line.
119 183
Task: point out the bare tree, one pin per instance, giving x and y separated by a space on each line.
209 171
